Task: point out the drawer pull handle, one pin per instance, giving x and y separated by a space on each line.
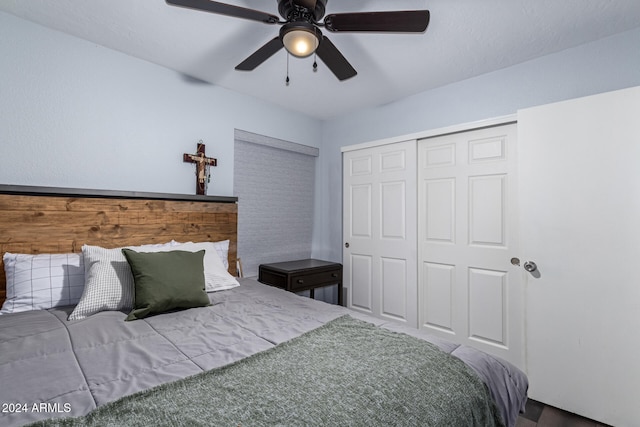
334 274
300 281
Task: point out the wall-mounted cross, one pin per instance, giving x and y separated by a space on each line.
202 167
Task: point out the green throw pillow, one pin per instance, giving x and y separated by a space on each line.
166 281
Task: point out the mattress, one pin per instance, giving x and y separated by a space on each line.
51 367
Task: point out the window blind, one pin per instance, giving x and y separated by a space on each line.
274 182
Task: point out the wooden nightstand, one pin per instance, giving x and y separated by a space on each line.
302 275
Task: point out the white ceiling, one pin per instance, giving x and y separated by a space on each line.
465 38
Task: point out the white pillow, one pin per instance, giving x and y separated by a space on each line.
39 282
216 276
222 247
109 282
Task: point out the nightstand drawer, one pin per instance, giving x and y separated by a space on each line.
272 278
302 275
316 279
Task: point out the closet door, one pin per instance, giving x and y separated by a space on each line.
379 227
469 290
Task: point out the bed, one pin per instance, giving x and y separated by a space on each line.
250 354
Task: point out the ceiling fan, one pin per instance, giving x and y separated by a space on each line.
300 34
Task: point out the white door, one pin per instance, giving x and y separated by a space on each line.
580 209
469 290
379 227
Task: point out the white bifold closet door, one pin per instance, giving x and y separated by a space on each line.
379 227
469 290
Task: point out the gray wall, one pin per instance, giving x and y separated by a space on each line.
75 114
608 64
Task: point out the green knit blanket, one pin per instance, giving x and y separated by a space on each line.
345 373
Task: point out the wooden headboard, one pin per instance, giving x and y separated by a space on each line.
37 220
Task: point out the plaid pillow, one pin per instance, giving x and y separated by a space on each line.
108 280
39 282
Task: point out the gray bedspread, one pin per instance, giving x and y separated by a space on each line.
51 367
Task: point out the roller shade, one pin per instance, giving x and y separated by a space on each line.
274 183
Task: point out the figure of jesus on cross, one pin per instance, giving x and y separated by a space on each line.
202 167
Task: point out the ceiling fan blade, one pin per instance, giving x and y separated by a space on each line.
226 9
261 55
407 21
333 59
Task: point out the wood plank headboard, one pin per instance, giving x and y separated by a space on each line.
60 220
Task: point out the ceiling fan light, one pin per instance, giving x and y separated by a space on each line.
300 41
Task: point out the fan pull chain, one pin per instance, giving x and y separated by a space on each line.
315 62
287 79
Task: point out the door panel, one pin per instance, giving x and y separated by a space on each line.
438 284
359 276
439 219
394 287
487 304
361 204
380 231
486 210
469 292
393 215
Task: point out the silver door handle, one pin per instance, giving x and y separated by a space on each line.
530 266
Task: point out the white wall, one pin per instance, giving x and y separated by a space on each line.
605 65
75 114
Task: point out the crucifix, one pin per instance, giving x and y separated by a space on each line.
202 167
